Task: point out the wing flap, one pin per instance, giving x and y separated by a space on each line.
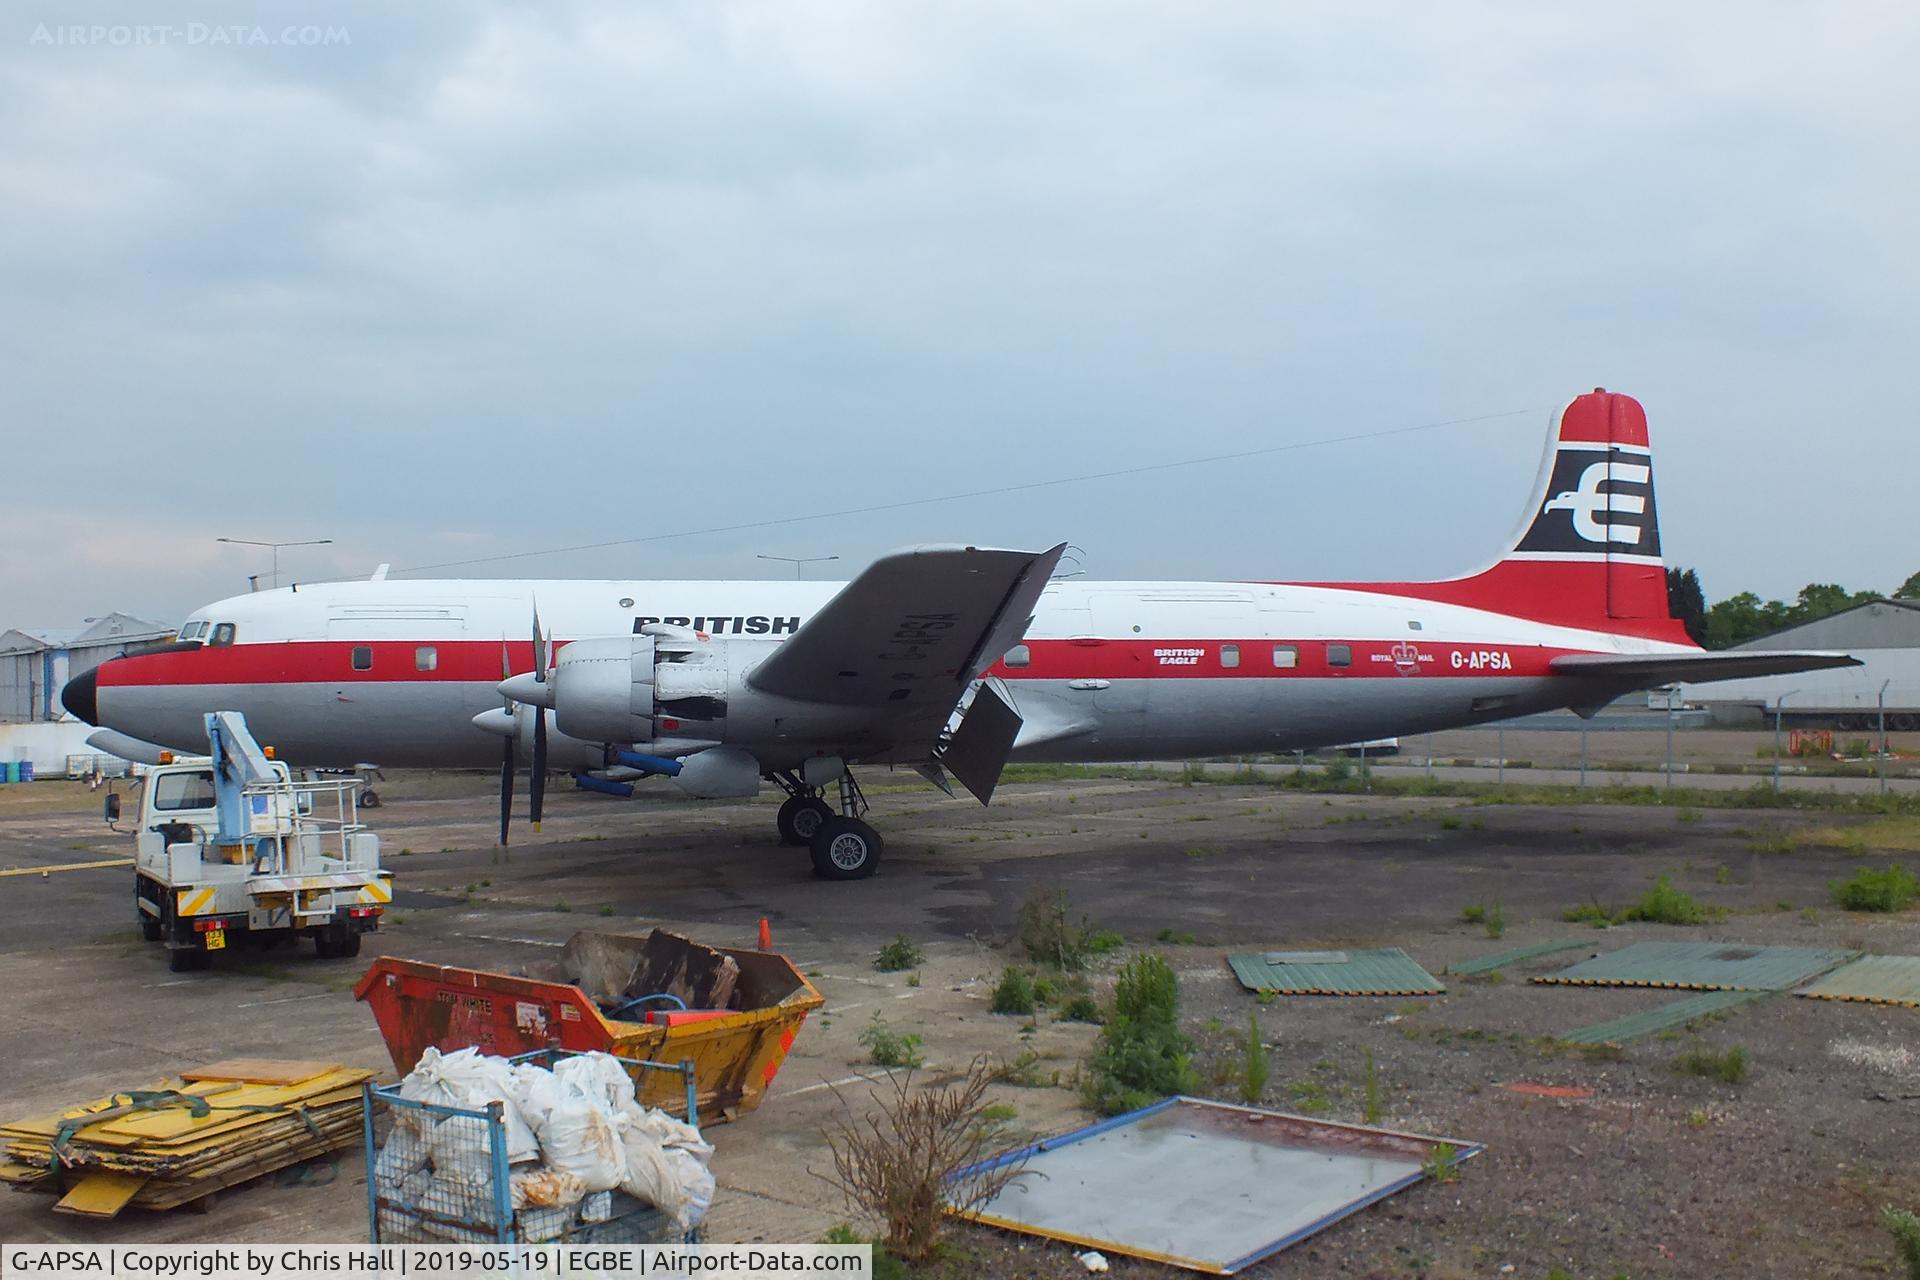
912 630
1650 669
980 746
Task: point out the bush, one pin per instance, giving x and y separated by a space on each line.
1015 992
1730 1066
1891 889
1050 936
1080 1008
1142 1055
889 1048
897 1164
1664 904
899 954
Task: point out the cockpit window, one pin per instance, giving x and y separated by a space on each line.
193 630
222 635
184 791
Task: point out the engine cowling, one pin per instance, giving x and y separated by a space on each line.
675 692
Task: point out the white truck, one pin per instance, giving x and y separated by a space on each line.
228 845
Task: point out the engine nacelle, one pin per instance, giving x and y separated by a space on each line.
678 692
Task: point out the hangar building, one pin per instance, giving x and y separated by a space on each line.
36 664
1883 634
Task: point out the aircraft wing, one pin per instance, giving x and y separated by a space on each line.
910 633
1651 669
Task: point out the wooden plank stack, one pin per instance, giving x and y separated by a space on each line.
176 1142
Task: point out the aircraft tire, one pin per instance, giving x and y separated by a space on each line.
800 817
846 849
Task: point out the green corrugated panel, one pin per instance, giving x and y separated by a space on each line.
1487 964
1872 979
1647 1021
1703 966
1387 971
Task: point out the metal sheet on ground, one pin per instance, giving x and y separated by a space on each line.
1871 980
1386 971
1702 966
1501 959
1204 1185
1648 1021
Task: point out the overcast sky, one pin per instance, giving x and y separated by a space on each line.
459 280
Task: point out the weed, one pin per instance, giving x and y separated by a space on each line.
1449 823
1253 1069
1589 913
606 908
1496 920
1772 842
1142 1054
1372 1090
1664 904
1696 1119
1442 1162
1201 850
1723 874
1080 1008
1475 914
1905 1227
1730 1066
1688 815
913 979
1178 938
1891 889
899 954
1049 935
562 906
1015 992
1102 941
899 1164
1025 1072
889 1048
999 1113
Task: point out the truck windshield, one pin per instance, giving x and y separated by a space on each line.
174 791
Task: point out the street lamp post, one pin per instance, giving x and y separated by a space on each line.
798 562
251 542
1778 703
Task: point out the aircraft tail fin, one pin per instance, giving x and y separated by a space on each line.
1587 553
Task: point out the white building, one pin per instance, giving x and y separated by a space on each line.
1883 634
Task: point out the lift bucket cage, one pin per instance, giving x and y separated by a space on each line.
735 1051
471 1198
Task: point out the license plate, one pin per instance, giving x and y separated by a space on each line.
216 939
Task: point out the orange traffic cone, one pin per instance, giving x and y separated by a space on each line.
766 935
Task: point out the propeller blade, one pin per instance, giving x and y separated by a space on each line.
538 781
506 790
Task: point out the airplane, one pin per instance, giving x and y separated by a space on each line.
951 660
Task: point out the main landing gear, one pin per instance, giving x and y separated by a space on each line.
843 846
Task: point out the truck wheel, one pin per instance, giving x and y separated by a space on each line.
348 947
186 959
325 947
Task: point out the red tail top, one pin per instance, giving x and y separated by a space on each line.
1588 551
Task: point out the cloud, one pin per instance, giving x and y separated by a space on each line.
514 279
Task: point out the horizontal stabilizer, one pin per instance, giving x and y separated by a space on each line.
1646 670
980 746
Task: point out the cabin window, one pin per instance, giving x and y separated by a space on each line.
175 791
223 635
1414 626
1339 655
363 657
1019 656
1229 655
426 658
1285 656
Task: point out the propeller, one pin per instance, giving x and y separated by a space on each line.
506 757
537 782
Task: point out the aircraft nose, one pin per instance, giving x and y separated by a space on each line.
81 697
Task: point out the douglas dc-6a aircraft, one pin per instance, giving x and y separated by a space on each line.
949 659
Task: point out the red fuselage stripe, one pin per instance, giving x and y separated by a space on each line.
488 661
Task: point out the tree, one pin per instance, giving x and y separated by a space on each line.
1908 590
1687 602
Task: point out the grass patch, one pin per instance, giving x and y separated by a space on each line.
1015 992
1591 913
1729 1065
1664 904
1892 888
1895 833
1253 1067
899 954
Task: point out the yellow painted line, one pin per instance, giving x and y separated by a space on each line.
67 866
